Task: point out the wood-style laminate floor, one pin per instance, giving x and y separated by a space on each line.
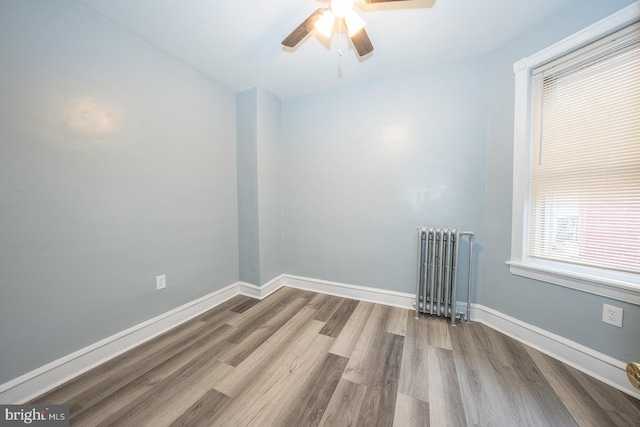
299 358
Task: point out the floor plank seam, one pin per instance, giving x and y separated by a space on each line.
307 359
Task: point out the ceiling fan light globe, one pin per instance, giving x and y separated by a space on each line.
354 22
324 25
341 8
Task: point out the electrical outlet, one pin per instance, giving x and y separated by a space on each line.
612 315
161 282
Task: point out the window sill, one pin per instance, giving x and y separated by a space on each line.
608 287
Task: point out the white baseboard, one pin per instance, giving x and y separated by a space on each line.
362 293
49 376
45 378
263 291
598 365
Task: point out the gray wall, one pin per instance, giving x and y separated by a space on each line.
117 163
364 166
572 314
247 164
259 152
270 185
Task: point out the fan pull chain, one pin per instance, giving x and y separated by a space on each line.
340 48
340 38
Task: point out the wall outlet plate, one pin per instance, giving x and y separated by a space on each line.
612 315
161 281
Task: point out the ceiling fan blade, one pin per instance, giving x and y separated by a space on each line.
394 4
303 29
362 43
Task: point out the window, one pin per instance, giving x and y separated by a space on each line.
577 161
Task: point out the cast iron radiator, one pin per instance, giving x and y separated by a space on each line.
437 272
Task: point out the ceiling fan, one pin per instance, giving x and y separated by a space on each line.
323 20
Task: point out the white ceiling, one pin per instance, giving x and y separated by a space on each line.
237 42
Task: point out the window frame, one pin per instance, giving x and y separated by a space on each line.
608 283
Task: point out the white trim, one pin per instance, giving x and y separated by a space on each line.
44 378
362 293
620 291
260 291
612 23
520 264
521 156
49 376
598 365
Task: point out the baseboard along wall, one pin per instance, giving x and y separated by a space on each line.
44 378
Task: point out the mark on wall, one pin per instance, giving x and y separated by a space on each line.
91 115
395 136
77 121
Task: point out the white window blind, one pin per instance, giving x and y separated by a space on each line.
585 172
